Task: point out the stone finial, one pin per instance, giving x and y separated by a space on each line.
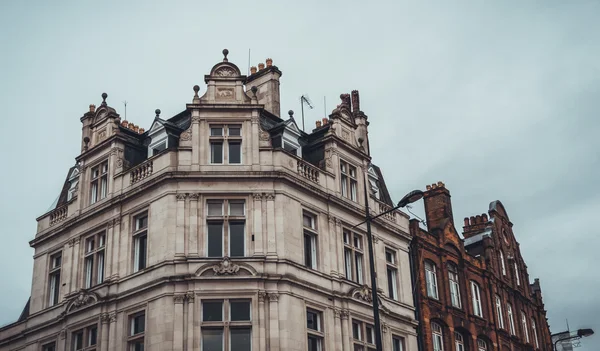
269 62
291 113
261 66
196 90
157 111
345 99
225 53
318 124
252 69
104 96
355 101
254 89
92 108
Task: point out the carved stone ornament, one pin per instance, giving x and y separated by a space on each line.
226 267
179 298
104 318
63 334
82 299
328 155
263 136
190 296
385 328
262 295
363 293
337 313
225 93
194 196
195 119
117 221
119 162
270 197
375 239
257 196
225 72
254 119
180 197
344 314
186 135
73 241
331 219
338 222
110 224
273 297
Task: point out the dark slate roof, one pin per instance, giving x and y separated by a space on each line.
383 190
25 314
62 198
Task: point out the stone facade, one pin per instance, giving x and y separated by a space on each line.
455 275
127 255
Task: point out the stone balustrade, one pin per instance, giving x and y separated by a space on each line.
308 171
141 171
59 215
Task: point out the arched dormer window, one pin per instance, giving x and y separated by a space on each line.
431 280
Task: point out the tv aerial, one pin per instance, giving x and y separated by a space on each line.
304 99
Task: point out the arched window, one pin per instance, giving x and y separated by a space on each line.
481 345
511 319
499 312
524 322
535 337
431 280
476 299
438 337
517 274
459 342
454 285
502 264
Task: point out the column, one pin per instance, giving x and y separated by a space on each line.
112 340
123 260
203 143
180 226
254 151
333 252
273 321
340 247
105 321
74 243
82 197
178 322
257 221
262 328
193 227
337 330
272 241
109 250
344 315
195 139
115 248
190 320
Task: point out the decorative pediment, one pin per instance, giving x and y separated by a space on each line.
82 300
157 125
226 268
363 293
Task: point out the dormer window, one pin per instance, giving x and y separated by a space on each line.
99 183
158 147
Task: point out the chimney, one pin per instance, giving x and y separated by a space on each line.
318 124
475 225
355 101
325 121
438 207
266 80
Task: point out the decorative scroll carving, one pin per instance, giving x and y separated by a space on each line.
195 119
344 314
337 312
225 93
263 136
101 135
384 327
104 318
181 196
63 334
257 196
179 298
84 298
338 222
117 221
362 293
73 241
194 196
186 135
190 296
270 197
226 267
273 297
375 239
225 72
254 119
328 155
262 295
112 316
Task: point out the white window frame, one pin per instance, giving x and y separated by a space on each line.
476 299
318 333
511 319
392 269
502 264
310 233
459 343
499 312
140 232
353 256
535 336
397 343
94 252
365 331
99 182
226 324
226 219
86 338
454 282
481 345
524 325
437 336
225 139
517 274
348 180
54 278
133 338
431 280
164 139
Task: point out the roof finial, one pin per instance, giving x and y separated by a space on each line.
196 90
291 113
104 96
157 111
225 53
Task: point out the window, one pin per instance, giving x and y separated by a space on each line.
226 325
140 242
511 319
137 330
431 280
226 224
348 179
314 327
363 336
535 336
49 347
438 338
476 298
517 274
226 140
454 286
158 147
459 342
353 256
397 343
309 222
94 259
481 345
290 147
85 339
99 184
502 265
499 312
524 325
54 287
392 273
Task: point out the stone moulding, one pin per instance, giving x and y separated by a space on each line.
226 267
81 300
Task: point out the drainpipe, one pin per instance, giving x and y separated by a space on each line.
413 279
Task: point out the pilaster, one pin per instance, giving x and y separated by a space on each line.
271 235
105 321
112 340
190 297
346 335
115 248
273 321
193 227
74 243
178 299
263 322
180 226
196 147
257 230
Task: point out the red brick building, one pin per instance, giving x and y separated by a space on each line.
474 293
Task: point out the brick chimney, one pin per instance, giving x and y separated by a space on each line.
438 207
475 225
266 79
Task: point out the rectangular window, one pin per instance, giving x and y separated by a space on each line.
314 327
94 259
226 140
309 221
397 343
137 332
476 298
363 336
431 280
85 339
236 328
535 336
392 273
454 286
49 347
511 319
517 274
353 256
157 148
499 312
524 325
99 182
348 181
54 278
226 228
140 242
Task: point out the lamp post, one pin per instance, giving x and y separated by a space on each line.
411 197
580 333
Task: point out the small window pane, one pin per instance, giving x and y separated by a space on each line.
212 311
78 340
308 221
235 152
92 336
215 239
314 343
356 331
397 344
216 152
236 239
236 208
141 222
215 208
216 131
235 130
240 310
312 320
370 334
212 339
240 339
138 324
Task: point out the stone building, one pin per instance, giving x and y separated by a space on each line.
224 227
474 293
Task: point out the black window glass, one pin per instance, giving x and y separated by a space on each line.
138 346
313 343
234 131
307 250
236 239
212 311
240 310
216 153
235 155
215 239
212 340
92 334
142 253
78 340
139 324
390 276
312 320
216 131
240 339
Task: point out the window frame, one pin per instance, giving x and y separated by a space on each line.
481 345
226 220
99 182
226 324
499 312
311 233
364 329
454 284
511 319
319 333
459 341
392 268
476 299
138 234
348 182
524 326
356 254
502 263
437 336
535 336
85 336
95 274
54 278
49 346
431 279
397 340
134 339
517 276
225 140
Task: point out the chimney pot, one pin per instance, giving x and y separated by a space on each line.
318 124
142 130
325 121
124 123
478 219
92 108
440 184
261 66
433 186
472 220
252 69
269 62
485 218
466 221
130 125
428 187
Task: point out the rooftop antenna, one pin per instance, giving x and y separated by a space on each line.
305 99
325 105
248 62
125 103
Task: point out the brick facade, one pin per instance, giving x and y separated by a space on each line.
476 259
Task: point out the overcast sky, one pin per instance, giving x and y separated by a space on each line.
499 100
